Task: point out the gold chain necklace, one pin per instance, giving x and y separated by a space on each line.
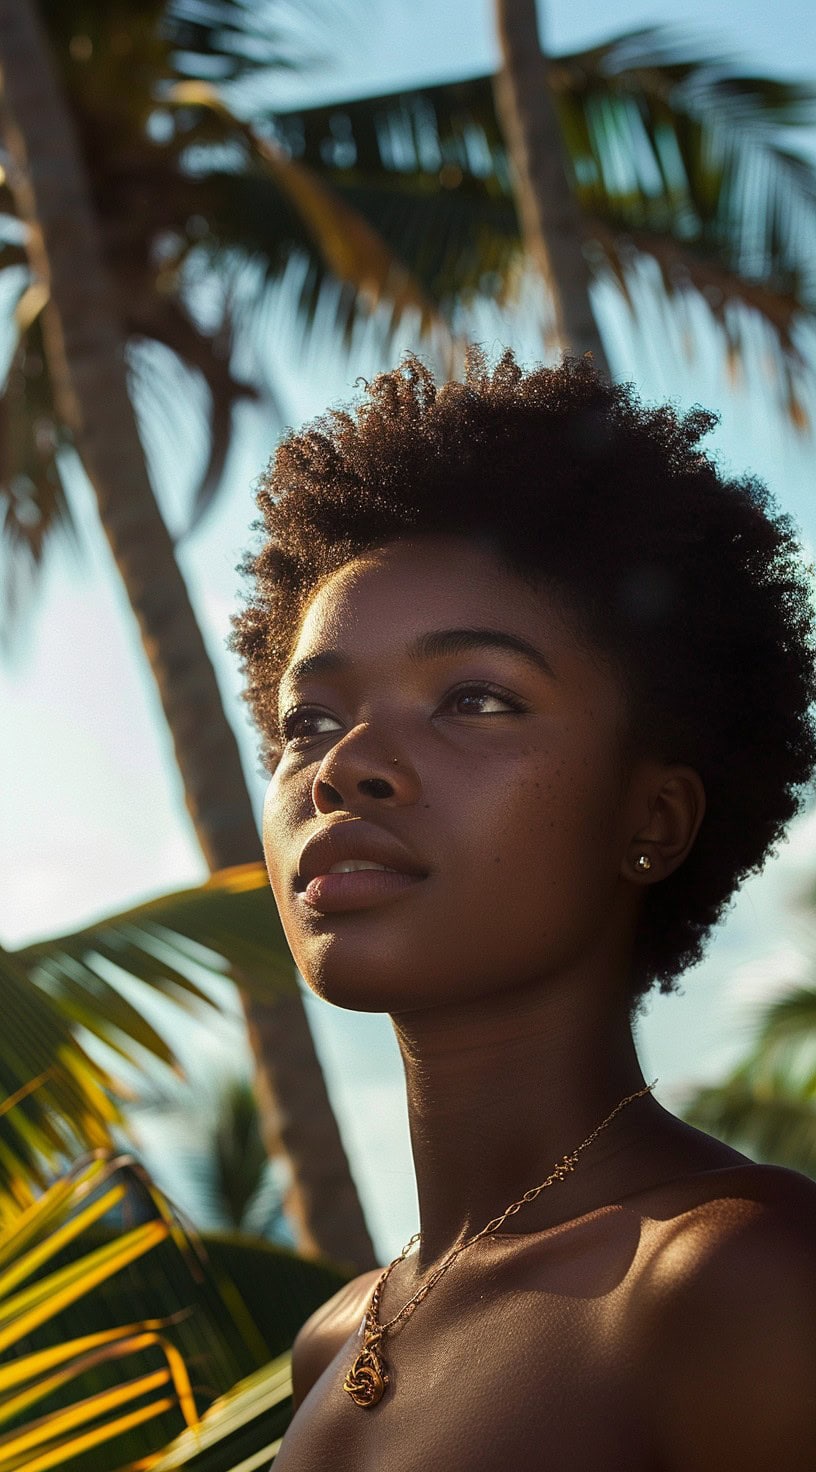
368 1378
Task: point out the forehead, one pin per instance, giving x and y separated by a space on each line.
412 585
380 606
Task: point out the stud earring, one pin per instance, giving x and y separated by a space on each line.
643 863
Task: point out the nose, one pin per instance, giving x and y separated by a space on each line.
360 768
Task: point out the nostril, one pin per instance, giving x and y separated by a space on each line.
376 787
328 794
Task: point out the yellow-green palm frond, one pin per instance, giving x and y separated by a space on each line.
114 1333
56 1099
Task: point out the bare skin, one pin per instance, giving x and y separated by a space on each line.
656 1310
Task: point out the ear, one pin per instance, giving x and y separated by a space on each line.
672 804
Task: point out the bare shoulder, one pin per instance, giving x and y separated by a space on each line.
732 1352
326 1332
733 1230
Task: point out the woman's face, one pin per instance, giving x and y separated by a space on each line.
441 720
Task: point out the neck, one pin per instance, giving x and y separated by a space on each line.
500 1090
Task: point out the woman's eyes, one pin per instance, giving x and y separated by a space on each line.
304 724
481 700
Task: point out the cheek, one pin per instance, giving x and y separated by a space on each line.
281 810
549 841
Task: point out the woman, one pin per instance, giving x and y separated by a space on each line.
534 683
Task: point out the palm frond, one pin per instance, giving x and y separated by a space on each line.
429 169
119 1332
242 1430
688 161
238 41
119 1327
232 916
673 155
788 1021
768 1117
166 159
53 1097
234 1185
227 40
33 504
49 988
767 1104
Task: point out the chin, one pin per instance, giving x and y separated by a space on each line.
362 977
357 986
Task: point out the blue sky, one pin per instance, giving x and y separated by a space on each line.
91 815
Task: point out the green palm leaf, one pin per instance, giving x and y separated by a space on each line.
774 1120
787 1028
57 1099
54 1097
767 1104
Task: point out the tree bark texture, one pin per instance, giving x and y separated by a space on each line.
550 217
86 358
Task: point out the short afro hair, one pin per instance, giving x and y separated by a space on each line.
690 582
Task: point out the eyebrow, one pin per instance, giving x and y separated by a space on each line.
436 644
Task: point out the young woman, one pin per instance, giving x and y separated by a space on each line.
534 682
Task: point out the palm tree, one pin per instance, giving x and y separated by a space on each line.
112 212
636 151
767 1103
548 210
207 1150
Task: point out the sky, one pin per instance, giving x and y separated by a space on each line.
91 813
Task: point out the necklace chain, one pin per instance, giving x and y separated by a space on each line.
368 1377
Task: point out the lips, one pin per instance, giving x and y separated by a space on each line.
352 864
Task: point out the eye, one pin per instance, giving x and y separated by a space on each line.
306 723
480 699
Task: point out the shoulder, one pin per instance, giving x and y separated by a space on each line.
732 1351
326 1332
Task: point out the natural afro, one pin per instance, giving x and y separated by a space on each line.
689 581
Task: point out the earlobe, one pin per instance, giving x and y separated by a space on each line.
676 806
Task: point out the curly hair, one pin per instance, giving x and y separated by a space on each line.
690 582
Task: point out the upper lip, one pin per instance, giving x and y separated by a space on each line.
352 838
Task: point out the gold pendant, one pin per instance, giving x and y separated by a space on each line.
367 1380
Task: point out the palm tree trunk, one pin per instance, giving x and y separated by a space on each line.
86 359
550 217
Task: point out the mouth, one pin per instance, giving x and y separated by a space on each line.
356 888
352 865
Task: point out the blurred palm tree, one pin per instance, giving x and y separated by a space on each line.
767 1103
203 1144
240 1183
640 153
635 146
119 188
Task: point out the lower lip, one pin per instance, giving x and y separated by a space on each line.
357 890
